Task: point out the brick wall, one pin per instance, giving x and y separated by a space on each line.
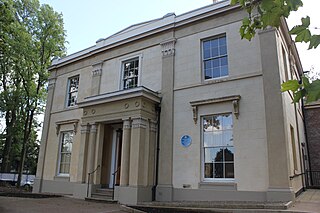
313 132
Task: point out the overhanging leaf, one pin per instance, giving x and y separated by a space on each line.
291 85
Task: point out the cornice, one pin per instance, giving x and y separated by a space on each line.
159 25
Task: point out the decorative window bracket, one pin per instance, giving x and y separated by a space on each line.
234 99
74 122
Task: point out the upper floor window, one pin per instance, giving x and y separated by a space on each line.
218 149
130 76
215 58
65 152
73 85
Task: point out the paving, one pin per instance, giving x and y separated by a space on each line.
309 201
55 205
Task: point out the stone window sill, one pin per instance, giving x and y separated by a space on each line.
218 185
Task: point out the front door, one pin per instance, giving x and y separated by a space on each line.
115 157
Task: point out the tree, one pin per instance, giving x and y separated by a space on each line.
265 13
31 36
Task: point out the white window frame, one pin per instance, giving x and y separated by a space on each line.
68 91
60 153
216 57
219 180
122 62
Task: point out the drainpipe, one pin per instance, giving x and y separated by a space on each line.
302 165
154 187
306 136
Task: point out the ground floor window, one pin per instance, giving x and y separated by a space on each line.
65 152
218 149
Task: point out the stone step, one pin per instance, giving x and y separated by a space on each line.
104 191
101 195
216 205
102 200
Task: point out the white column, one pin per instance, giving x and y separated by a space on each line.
91 149
125 153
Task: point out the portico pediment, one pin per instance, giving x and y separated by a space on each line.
110 107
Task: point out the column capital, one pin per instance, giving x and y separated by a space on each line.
153 126
97 69
168 47
85 128
51 83
126 124
139 123
93 128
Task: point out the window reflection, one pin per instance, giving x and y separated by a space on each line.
218 146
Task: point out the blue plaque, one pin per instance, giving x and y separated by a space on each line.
186 140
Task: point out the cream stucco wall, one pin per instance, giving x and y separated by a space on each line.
249 133
150 70
179 80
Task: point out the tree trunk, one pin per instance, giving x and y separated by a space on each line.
6 165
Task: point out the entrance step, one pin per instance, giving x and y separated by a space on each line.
102 200
104 191
102 194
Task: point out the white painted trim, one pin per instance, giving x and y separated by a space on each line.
59 155
113 156
128 58
213 180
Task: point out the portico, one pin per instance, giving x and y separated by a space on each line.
118 138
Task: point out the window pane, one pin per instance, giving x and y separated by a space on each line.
216 122
208 170
224 61
224 71
215 63
223 50
208 74
206 45
208 155
214 52
218 138
218 170
218 146
65 152
217 154
214 43
227 139
227 121
207 64
229 170
207 124
73 84
216 73
206 54
222 41
229 154
130 73
208 139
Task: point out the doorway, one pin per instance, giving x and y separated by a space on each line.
111 157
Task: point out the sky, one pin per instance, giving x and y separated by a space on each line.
87 21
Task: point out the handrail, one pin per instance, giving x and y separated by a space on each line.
114 177
89 175
296 175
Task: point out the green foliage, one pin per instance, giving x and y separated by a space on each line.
303 89
268 13
30 36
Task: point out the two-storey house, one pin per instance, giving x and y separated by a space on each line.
178 108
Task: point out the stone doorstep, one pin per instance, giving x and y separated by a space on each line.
219 205
101 200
